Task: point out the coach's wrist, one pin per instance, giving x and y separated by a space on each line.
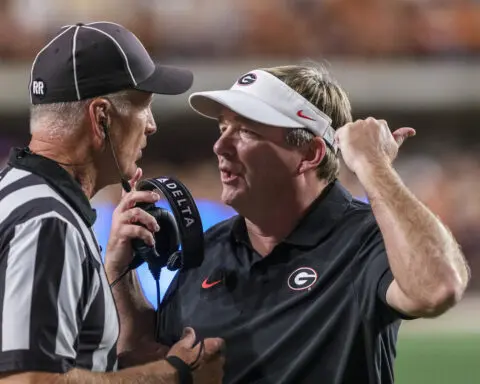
369 170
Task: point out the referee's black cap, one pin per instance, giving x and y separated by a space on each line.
89 60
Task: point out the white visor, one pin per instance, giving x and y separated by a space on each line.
262 97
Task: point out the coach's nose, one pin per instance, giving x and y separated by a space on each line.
225 144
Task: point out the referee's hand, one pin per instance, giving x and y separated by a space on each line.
125 220
207 361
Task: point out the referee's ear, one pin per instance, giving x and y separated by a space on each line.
312 155
99 115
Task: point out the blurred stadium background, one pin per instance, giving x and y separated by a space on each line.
412 62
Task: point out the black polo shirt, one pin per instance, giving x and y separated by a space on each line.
313 311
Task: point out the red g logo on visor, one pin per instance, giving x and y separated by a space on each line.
247 79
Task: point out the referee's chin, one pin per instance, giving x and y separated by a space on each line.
128 173
126 169
112 176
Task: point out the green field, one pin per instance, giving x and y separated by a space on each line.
451 358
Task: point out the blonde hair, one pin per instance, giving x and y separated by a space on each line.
316 85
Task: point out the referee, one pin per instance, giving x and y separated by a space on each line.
91 90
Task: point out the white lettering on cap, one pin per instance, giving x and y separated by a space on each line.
38 88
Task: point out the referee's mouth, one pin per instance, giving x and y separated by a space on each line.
140 152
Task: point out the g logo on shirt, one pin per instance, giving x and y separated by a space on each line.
302 278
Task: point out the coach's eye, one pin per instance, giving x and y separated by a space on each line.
248 132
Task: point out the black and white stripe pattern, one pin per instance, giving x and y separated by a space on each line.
56 306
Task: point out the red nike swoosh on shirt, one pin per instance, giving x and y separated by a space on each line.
206 284
300 114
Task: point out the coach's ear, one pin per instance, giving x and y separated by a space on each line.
98 113
312 154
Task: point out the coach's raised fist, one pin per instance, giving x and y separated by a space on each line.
370 142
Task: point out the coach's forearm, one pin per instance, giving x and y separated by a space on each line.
425 259
137 316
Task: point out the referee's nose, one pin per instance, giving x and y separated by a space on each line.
151 124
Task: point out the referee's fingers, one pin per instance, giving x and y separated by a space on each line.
132 198
139 216
133 231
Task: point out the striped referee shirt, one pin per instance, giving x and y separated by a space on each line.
56 307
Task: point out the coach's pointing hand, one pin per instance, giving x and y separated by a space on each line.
370 142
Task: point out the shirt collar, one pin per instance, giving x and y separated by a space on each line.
317 222
57 178
322 216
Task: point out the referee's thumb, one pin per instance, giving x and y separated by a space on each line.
188 337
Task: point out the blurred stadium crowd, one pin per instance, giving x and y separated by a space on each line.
235 28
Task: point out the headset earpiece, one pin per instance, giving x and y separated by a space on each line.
104 125
102 118
167 240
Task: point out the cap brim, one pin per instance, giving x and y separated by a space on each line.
210 104
167 80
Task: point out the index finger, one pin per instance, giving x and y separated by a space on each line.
134 180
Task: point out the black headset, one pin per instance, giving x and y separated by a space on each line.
182 229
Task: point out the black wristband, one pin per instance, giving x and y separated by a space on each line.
183 369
